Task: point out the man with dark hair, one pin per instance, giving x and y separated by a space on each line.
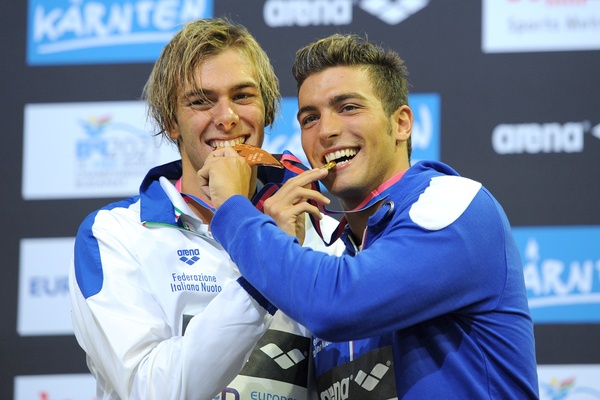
430 262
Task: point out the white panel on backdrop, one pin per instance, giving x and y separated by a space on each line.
88 150
44 306
55 387
540 25
569 382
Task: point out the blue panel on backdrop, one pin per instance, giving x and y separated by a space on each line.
426 130
61 32
285 133
562 272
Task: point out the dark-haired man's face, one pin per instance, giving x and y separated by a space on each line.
343 120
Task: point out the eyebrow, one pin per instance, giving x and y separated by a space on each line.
332 102
207 92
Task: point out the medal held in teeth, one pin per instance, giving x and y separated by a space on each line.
256 156
329 165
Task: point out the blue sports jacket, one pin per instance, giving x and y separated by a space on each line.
439 275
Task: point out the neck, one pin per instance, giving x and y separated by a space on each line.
357 221
358 214
201 212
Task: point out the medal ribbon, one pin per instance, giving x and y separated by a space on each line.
295 167
380 193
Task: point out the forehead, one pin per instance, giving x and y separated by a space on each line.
229 68
336 81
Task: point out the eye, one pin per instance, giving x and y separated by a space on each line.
308 120
244 96
245 93
348 107
199 103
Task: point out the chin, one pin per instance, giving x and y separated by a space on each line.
336 190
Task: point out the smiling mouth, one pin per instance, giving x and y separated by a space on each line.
340 156
215 144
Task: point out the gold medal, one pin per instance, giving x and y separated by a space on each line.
329 165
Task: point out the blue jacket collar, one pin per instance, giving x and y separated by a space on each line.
157 207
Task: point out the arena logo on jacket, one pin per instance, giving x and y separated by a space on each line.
369 377
62 32
280 354
276 369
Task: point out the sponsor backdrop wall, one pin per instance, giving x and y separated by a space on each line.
505 91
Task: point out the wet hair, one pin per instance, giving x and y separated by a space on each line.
385 68
183 55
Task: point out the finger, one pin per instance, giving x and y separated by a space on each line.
284 210
224 152
310 176
281 201
288 219
303 194
203 177
305 179
304 207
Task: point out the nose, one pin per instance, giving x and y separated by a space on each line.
224 115
329 126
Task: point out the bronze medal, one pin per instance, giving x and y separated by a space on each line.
256 156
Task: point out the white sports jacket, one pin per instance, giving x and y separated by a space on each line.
162 313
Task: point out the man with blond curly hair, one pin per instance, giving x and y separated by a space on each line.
158 306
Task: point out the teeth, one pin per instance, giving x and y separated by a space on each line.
227 143
339 154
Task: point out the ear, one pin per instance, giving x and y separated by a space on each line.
402 120
173 133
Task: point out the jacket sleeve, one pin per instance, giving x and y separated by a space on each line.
408 275
132 350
